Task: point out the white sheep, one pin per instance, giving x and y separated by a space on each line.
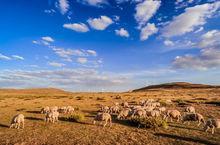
103 117
45 110
162 109
154 113
69 109
124 113
193 117
54 109
190 109
52 117
114 109
17 120
105 109
172 114
62 109
139 113
212 123
125 105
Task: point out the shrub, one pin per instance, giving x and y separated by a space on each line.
149 122
77 117
181 102
100 98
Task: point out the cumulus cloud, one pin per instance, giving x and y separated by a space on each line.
100 23
56 64
82 60
63 6
145 10
190 19
78 27
122 32
147 31
17 57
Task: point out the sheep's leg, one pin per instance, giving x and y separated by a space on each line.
213 129
171 119
110 122
207 128
178 118
94 122
199 123
23 124
106 121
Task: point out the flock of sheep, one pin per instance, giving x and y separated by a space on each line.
146 108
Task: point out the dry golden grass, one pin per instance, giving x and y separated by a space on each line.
36 131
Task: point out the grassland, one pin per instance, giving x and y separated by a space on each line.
36 131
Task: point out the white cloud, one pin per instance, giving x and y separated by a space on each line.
100 23
210 39
47 38
147 31
190 19
17 57
199 30
4 57
94 2
122 32
82 60
208 59
78 27
92 52
145 10
168 43
56 64
63 6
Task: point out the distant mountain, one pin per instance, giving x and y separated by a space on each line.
176 85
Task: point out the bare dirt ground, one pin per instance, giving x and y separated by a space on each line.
36 131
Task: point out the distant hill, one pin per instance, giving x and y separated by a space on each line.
33 91
176 85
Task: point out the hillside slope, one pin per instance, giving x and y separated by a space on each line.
176 85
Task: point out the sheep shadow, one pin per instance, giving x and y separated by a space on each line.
124 122
34 118
4 126
34 112
90 113
184 127
65 119
190 139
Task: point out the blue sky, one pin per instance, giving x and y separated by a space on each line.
108 45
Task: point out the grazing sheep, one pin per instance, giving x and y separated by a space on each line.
69 109
139 113
52 117
142 102
125 105
212 123
54 109
162 109
62 109
193 117
190 109
17 121
124 113
116 104
172 114
155 113
103 117
114 109
105 109
45 110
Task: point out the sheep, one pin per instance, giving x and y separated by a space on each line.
54 109
103 117
139 113
124 113
193 117
52 117
212 123
154 113
125 105
62 110
173 114
190 109
69 109
162 109
45 110
105 109
114 109
17 120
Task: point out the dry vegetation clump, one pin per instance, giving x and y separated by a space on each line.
100 98
181 102
148 122
78 117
